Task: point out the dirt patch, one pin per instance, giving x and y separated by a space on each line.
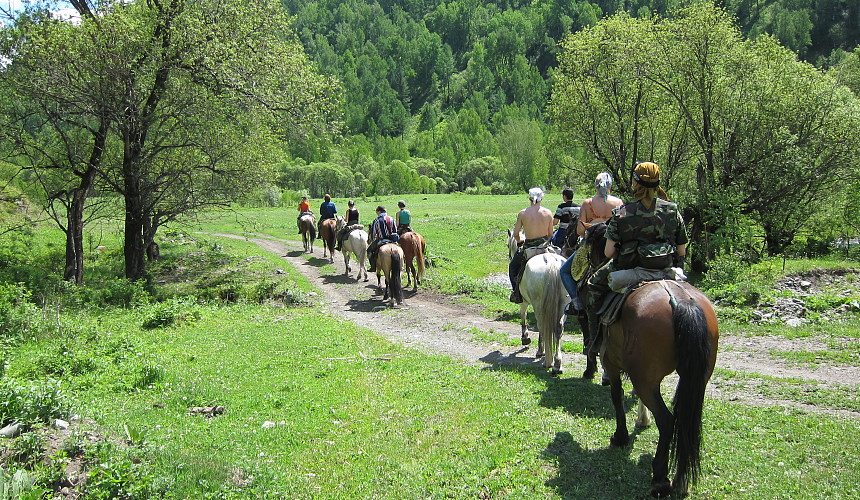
444 325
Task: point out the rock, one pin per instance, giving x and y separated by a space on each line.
795 322
61 424
268 424
806 285
11 430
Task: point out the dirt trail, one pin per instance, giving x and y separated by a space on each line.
438 324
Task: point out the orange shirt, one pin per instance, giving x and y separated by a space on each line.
304 206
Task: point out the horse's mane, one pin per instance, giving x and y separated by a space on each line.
595 235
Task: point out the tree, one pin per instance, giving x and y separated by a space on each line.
193 97
521 146
732 119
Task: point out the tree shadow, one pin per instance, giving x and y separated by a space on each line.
598 474
340 279
362 305
294 253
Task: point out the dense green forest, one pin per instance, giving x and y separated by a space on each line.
154 111
439 85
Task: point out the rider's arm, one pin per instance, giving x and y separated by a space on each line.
681 250
549 229
609 250
584 216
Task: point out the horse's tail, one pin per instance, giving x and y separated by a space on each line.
419 253
395 284
549 309
694 352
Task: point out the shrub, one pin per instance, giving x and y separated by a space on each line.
170 312
32 403
731 281
18 315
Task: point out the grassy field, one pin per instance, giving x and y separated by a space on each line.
322 408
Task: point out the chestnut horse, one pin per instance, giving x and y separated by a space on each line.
328 234
389 261
664 326
308 228
413 247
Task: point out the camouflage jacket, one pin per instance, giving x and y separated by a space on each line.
647 238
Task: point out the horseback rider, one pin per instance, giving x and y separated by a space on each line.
351 220
304 209
327 211
594 210
565 215
383 230
647 232
403 218
536 222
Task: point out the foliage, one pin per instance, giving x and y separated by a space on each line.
19 486
168 313
732 281
31 402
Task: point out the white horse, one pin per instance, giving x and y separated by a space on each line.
541 287
355 244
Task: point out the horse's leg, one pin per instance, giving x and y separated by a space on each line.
621 436
650 396
525 330
556 363
643 416
345 254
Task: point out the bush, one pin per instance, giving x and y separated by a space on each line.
32 403
168 313
18 315
731 281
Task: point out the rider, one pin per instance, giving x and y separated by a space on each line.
327 211
304 209
382 230
564 215
536 222
403 218
648 232
351 220
594 210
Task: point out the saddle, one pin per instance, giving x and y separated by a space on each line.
624 282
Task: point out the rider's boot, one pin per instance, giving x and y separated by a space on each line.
515 297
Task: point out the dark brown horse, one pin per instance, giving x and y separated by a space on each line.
663 327
308 228
413 247
328 233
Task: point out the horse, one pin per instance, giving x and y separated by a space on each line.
664 327
328 235
355 243
308 228
413 247
541 287
389 261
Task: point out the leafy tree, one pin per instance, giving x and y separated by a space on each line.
521 146
192 97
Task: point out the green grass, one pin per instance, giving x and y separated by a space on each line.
321 408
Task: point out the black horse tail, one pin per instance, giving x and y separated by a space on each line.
694 352
396 269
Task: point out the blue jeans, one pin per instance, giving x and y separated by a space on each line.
567 279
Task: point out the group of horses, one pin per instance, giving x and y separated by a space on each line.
663 327
391 260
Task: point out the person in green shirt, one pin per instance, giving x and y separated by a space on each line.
403 218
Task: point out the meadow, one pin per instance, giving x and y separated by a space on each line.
225 324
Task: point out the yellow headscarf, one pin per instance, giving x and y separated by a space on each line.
647 176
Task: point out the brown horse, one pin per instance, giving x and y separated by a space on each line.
308 228
328 234
413 247
663 327
389 261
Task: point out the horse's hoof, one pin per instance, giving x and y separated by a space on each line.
617 440
557 371
588 374
526 341
661 489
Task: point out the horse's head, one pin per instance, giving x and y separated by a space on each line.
512 244
340 222
595 236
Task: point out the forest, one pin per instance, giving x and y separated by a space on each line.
159 110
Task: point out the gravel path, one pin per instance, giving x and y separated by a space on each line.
439 324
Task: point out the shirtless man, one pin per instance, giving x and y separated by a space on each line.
537 224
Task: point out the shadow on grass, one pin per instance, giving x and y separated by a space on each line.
604 473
